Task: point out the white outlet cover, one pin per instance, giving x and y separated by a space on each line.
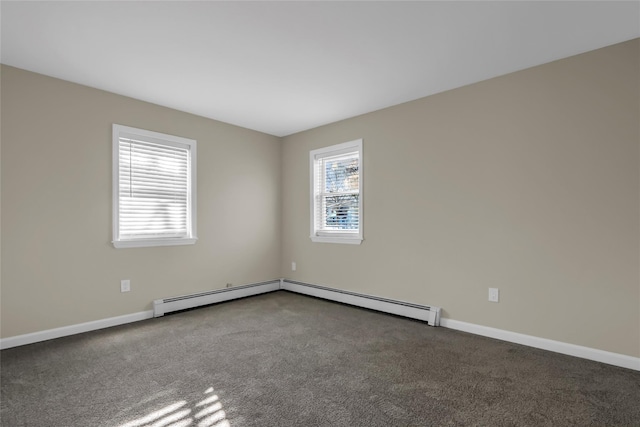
494 294
293 266
125 285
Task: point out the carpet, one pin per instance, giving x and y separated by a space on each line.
283 359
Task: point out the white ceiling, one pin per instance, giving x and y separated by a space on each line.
284 67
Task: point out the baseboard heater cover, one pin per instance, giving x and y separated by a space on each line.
428 314
184 302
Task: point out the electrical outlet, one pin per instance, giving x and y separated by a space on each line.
229 285
293 266
125 285
494 294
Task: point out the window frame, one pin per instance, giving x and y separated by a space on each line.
330 236
162 139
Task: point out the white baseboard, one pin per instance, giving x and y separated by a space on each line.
389 306
184 302
428 314
64 331
608 357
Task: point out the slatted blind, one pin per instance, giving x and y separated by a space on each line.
154 189
337 193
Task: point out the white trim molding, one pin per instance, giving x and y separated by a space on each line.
428 314
431 315
184 302
79 328
589 353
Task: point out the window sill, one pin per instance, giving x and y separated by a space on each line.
141 243
355 240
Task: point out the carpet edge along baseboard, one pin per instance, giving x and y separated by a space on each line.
611 358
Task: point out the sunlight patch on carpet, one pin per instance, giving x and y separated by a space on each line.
178 414
144 421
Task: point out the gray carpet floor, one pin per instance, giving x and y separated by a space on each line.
283 359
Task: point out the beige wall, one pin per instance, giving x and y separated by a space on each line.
59 265
528 182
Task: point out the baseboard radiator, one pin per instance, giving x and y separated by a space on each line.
168 305
428 314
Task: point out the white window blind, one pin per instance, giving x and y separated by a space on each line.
336 193
155 188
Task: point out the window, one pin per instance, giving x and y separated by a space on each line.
154 188
336 193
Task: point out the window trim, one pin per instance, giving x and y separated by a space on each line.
327 236
156 137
